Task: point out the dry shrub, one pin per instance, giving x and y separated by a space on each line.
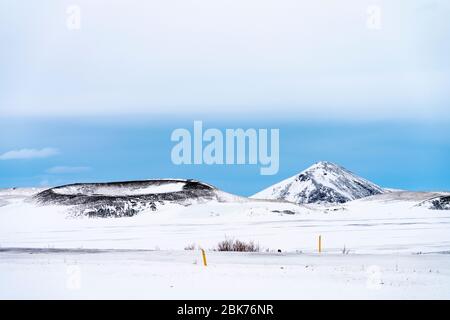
237 245
190 247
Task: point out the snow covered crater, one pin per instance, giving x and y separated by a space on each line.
119 199
122 188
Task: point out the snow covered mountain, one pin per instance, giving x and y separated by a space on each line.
439 202
323 182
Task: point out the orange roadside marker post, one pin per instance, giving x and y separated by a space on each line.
204 257
320 244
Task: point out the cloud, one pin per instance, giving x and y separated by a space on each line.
320 58
29 154
66 169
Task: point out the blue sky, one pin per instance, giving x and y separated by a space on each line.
99 103
410 155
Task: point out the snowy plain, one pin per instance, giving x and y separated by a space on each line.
383 246
131 274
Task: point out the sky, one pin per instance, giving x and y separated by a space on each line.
98 103
407 155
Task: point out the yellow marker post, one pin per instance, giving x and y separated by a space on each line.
204 258
320 244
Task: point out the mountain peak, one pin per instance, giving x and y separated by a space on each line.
324 165
323 182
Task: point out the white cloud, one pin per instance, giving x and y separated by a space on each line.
66 169
29 154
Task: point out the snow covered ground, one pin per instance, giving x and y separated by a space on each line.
180 275
387 237
389 223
